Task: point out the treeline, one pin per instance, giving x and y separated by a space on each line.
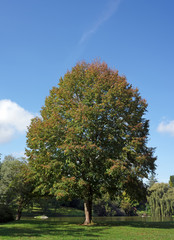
18 191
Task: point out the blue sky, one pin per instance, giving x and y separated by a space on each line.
41 39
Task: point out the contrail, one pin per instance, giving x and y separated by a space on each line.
112 7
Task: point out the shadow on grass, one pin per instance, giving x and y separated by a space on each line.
39 228
36 228
138 224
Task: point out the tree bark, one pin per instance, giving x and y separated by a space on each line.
88 212
19 213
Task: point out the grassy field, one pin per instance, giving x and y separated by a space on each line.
51 230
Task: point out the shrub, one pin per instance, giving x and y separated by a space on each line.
6 214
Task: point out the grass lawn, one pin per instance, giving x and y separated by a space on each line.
61 211
67 211
41 229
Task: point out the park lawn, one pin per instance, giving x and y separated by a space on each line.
68 211
61 211
51 230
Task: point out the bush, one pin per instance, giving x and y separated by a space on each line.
6 214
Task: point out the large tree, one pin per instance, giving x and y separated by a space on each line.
91 137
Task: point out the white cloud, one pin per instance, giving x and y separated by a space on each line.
166 127
13 120
110 10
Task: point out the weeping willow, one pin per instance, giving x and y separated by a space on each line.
161 200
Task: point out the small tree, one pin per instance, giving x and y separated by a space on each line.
152 180
91 137
128 205
15 188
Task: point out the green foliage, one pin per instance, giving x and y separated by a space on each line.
128 205
106 207
161 199
91 137
15 188
171 181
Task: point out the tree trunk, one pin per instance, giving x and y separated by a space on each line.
88 212
19 213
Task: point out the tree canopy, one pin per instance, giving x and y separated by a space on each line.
91 137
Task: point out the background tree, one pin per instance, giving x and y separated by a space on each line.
91 137
15 187
161 200
171 181
129 206
152 179
5 212
106 207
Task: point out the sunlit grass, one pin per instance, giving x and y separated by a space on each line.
41 229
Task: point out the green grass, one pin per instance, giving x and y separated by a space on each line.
61 211
51 230
67 211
